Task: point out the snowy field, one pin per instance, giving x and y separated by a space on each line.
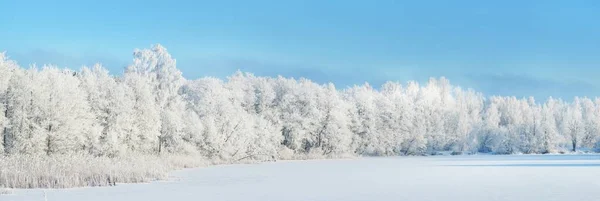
448 178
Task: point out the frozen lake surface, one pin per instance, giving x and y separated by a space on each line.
448 178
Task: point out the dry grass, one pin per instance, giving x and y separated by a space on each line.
5 191
79 170
67 171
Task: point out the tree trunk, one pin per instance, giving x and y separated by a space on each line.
4 131
48 145
4 144
49 141
159 144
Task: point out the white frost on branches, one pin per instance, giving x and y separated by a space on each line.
153 109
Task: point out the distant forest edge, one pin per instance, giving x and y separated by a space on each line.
152 109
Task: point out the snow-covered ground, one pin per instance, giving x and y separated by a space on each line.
448 178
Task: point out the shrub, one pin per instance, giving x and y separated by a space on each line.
5 191
67 171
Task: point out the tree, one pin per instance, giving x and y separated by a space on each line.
591 119
48 113
22 135
395 120
531 129
257 97
7 69
333 136
466 116
145 130
573 124
165 80
363 120
113 110
489 135
416 141
549 140
65 116
226 125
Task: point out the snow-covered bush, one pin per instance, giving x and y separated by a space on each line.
5 191
65 171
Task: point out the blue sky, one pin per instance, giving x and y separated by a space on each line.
516 48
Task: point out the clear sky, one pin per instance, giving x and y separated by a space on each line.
512 47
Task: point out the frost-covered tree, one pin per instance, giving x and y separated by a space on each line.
298 113
416 140
591 119
7 69
464 121
48 113
363 119
395 119
111 105
488 136
549 139
22 134
146 122
257 97
63 111
165 80
333 136
573 124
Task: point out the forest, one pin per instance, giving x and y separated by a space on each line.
153 110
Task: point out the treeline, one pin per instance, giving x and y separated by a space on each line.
153 109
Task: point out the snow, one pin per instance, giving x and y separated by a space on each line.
448 178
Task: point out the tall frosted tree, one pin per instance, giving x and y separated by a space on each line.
48 113
22 135
488 136
7 69
530 136
145 132
228 131
157 66
63 111
363 119
415 143
464 121
549 136
573 125
590 118
395 118
256 97
333 135
434 102
111 105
